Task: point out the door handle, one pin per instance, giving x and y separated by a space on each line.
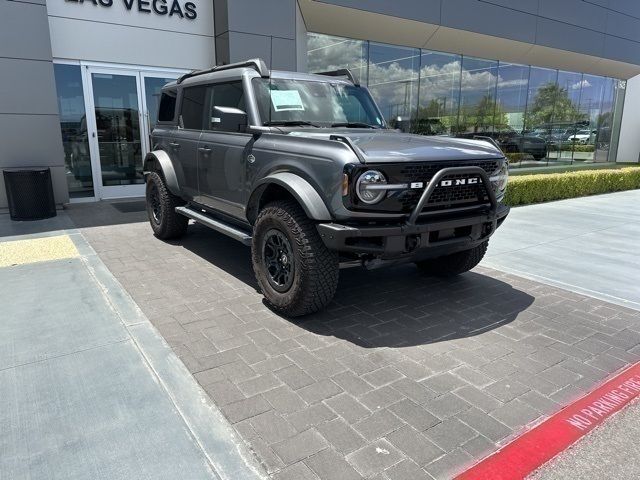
174 145
204 149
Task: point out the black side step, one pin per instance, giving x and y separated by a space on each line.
218 225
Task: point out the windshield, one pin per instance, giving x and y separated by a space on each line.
317 104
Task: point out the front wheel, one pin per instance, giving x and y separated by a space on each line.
455 263
296 272
161 209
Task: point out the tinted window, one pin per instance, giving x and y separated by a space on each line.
226 95
167 106
192 110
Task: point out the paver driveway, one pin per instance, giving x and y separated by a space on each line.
403 377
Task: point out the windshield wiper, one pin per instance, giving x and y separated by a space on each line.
353 125
290 123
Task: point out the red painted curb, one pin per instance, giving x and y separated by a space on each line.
537 446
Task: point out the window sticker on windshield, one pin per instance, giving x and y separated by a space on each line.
284 100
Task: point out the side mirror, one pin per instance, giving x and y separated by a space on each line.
228 119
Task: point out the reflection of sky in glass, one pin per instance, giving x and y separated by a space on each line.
451 88
393 78
512 87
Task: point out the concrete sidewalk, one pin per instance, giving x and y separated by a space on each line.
586 245
89 388
610 451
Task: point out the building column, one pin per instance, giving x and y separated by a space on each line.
268 29
629 143
29 123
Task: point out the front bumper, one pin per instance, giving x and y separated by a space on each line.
422 235
423 240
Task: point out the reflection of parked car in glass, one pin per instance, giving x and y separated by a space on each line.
583 137
510 141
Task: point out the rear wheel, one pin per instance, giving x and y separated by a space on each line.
455 263
161 209
296 272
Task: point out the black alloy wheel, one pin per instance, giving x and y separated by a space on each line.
279 260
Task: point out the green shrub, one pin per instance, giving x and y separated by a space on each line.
568 147
526 189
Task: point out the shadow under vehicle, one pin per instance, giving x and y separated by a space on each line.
304 169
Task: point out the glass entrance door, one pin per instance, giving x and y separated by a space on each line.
116 133
121 109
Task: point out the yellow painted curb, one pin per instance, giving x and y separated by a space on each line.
20 252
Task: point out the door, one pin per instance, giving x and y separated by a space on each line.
223 151
122 109
116 132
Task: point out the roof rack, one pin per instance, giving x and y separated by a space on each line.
342 72
256 63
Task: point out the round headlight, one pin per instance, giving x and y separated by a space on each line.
368 187
500 178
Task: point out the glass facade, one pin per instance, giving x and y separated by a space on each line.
540 117
73 124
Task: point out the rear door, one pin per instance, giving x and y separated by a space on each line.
184 145
223 154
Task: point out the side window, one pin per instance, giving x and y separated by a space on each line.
167 107
227 95
192 109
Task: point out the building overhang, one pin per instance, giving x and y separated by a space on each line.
320 17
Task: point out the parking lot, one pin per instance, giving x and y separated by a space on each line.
403 377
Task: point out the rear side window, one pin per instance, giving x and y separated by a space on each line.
167 108
192 109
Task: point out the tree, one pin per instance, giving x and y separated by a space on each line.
551 105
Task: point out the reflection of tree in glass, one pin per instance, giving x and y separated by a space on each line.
482 116
552 104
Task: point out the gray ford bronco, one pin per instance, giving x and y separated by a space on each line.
304 169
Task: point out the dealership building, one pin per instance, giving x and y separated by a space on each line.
80 78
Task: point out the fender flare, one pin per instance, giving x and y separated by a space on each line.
307 196
164 162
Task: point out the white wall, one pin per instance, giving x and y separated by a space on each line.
116 34
629 146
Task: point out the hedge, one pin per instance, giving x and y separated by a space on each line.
526 189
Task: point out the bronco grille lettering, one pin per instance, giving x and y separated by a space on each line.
459 181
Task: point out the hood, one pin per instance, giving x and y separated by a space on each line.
385 146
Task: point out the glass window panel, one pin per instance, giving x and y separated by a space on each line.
393 82
326 53
523 150
73 124
538 120
152 88
567 117
477 96
590 118
118 124
192 109
439 94
605 121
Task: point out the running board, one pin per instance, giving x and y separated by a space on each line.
217 225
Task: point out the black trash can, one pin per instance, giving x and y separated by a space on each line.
29 193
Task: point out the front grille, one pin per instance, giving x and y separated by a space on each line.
443 197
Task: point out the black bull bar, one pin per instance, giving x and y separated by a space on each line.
392 241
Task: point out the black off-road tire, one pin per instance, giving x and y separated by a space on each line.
454 264
161 209
315 268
